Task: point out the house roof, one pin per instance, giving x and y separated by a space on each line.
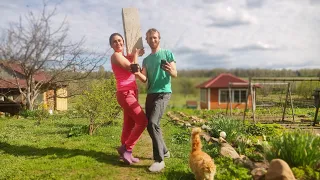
12 83
222 81
39 76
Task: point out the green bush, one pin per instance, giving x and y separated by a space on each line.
180 138
305 89
27 113
263 129
99 103
226 169
306 173
78 130
297 148
38 114
232 127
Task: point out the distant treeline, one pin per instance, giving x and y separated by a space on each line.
242 72
251 72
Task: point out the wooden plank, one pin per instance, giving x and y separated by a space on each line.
132 29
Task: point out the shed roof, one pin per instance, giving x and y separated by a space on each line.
12 82
222 81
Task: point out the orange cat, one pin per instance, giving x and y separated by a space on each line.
201 164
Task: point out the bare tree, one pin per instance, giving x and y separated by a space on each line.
37 47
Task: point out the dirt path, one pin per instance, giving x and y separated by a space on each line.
139 171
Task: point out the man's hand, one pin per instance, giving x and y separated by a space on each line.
170 68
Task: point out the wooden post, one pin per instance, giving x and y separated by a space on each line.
316 116
246 107
292 110
228 102
285 103
317 104
252 103
132 29
230 99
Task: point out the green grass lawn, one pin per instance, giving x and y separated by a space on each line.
28 151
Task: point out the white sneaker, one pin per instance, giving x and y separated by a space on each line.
157 166
167 154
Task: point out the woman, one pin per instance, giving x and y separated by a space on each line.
134 118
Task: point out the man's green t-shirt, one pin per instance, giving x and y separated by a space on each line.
159 81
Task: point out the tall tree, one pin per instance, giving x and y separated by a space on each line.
36 45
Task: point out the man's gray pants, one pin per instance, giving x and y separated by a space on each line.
156 104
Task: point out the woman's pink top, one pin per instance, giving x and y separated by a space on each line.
125 79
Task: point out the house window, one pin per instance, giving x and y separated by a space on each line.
1 98
203 95
223 96
243 96
237 95
10 97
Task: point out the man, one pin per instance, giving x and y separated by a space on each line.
158 93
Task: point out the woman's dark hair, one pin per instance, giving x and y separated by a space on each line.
114 34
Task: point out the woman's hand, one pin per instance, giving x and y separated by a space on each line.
139 52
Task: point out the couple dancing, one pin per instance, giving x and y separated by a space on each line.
158 79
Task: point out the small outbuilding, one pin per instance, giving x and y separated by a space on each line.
225 91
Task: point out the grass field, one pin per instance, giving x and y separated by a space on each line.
28 151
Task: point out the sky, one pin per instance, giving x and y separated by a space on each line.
202 34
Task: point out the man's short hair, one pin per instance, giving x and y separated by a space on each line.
152 30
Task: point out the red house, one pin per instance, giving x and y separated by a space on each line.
215 93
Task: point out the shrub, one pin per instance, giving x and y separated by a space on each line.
263 129
306 173
38 114
226 169
78 130
27 113
232 127
297 148
99 102
180 138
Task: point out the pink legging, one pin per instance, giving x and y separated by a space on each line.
134 118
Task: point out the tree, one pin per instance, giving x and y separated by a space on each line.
99 102
305 89
36 46
101 72
186 87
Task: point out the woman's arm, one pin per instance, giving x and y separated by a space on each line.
142 75
122 61
119 59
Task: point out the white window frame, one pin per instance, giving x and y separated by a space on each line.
232 95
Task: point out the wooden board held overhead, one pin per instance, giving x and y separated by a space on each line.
132 29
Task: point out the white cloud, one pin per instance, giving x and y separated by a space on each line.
255 3
228 17
201 34
258 46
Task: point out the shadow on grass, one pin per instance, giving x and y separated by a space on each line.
61 153
179 175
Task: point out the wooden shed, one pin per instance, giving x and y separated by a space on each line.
54 97
224 91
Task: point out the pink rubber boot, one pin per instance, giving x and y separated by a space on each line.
126 155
